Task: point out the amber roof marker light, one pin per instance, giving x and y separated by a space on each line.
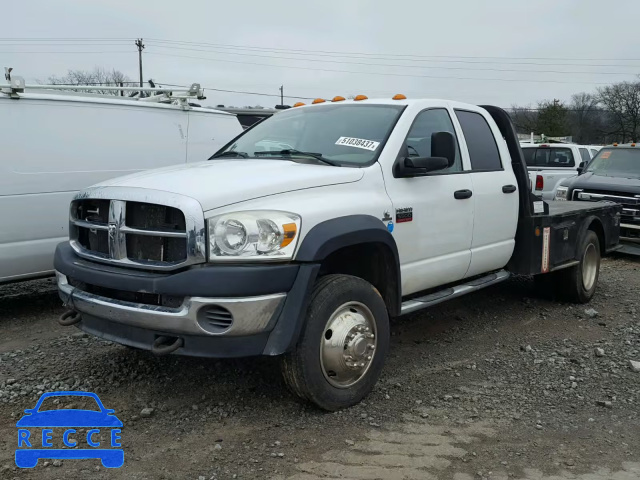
318 100
399 96
338 99
299 104
359 98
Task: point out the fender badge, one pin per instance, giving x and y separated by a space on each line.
387 217
404 214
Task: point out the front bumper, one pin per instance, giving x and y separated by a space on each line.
261 306
253 314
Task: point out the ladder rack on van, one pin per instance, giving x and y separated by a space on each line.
181 97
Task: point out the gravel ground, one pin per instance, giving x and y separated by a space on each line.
499 385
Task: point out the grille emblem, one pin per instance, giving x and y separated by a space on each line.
117 239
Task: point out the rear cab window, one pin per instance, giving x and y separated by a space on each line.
481 143
549 157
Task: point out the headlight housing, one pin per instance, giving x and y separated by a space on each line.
253 235
561 193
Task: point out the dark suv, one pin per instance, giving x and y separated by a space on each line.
613 174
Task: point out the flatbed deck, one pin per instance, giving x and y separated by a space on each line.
560 208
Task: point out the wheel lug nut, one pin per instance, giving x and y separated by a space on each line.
371 347
368 357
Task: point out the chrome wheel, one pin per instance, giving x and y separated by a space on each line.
589 266
348 345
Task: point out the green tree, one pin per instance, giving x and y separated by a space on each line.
552 119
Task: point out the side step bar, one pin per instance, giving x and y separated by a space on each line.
452 292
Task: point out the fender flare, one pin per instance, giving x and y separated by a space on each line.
322 240
331 235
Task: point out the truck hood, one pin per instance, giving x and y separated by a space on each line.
589 181
217 183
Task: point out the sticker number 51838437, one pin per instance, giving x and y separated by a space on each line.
358 143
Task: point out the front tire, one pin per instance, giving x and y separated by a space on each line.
343 344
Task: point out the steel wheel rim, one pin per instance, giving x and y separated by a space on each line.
589 266
348 345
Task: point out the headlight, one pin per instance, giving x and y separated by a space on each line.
561 193
253 235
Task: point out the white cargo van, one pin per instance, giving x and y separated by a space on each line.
55 144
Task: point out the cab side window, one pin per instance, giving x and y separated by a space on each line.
418 142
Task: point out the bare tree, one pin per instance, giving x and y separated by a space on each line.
96 77
524 118
622 101
588 122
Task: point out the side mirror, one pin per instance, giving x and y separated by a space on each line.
427 164
581 167
443 144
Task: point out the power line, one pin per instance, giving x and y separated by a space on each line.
375 73
238 91
66 51
266 50
392 55
305 51
404 66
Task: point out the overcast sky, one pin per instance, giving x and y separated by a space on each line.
445 49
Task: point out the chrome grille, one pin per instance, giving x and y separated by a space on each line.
143 234
630 203
630 215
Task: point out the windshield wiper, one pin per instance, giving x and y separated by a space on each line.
290 152
230 153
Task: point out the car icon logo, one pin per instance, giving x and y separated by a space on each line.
41 427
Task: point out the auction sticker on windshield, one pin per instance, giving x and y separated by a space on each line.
358 143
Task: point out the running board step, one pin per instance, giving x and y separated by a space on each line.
453 292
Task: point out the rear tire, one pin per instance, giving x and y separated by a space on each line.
343 345
578 284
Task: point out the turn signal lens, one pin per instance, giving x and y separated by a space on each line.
399 96
318 100
633 144
361 97
338 99
615 144
290 230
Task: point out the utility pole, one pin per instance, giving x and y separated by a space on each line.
281 94
140 46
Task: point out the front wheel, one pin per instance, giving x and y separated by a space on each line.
343 345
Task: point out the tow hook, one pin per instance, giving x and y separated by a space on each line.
70 317
166 345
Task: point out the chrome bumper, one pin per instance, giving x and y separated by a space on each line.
251 315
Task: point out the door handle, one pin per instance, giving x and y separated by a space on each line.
462 194
509 188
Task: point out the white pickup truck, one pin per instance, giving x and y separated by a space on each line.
549 164
369 210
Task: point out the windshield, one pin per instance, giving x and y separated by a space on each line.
548 157
345 134
616 162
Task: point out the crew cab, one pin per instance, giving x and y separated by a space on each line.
367 210
613 175
549 164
